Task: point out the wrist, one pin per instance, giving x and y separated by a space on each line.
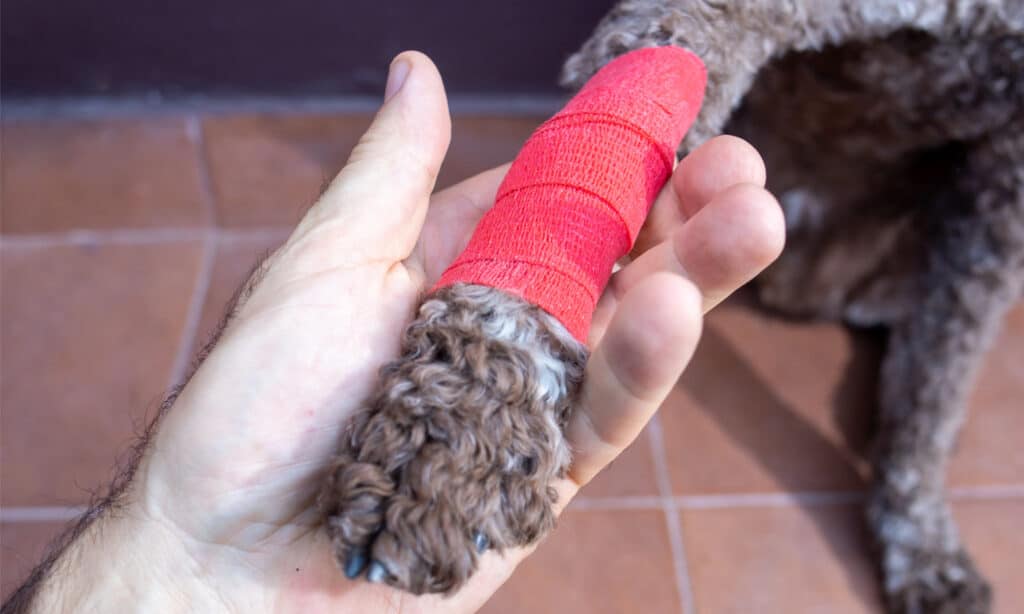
124 561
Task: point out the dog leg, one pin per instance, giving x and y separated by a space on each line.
974 273
732 53
736 39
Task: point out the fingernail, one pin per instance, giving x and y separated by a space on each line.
354 564
396 77
377 572
481 542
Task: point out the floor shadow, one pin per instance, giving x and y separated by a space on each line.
855 398
750 412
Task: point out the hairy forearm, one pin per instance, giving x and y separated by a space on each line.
113 557
119 562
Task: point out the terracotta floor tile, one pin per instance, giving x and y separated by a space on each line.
989 450
235 260
480 143
596 562
22 545
267 170
769 405
779 560
60 175
89 335
992 532
630 475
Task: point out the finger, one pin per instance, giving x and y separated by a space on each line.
649 341
723 246
376 205
720 163
451 218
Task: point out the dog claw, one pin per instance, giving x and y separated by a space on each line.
354 564
377 572
481 542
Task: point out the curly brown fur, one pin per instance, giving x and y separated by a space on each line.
461 442
893 134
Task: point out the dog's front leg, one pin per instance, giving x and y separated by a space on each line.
721 33
736 39
975 272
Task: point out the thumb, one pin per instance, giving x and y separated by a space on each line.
374 208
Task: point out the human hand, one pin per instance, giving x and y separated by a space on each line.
223 502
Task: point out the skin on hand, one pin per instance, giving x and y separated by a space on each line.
223 503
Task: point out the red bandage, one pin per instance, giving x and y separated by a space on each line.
579 191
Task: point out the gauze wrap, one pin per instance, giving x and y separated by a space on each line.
577 194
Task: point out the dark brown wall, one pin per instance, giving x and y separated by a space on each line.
265 47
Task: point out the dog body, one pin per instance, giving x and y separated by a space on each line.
893 134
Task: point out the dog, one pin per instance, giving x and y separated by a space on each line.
893 135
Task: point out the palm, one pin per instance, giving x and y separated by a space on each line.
314 340
307 343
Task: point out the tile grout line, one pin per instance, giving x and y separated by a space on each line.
616 503
985 493
41 513
768 499
277 233
684 585
204 276
1008 492
118 236
81 107
194 130
190 328
139 236
696 502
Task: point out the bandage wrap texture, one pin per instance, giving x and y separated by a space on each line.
577 194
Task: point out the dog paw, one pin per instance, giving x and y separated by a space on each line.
460 446
922 582
416 511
